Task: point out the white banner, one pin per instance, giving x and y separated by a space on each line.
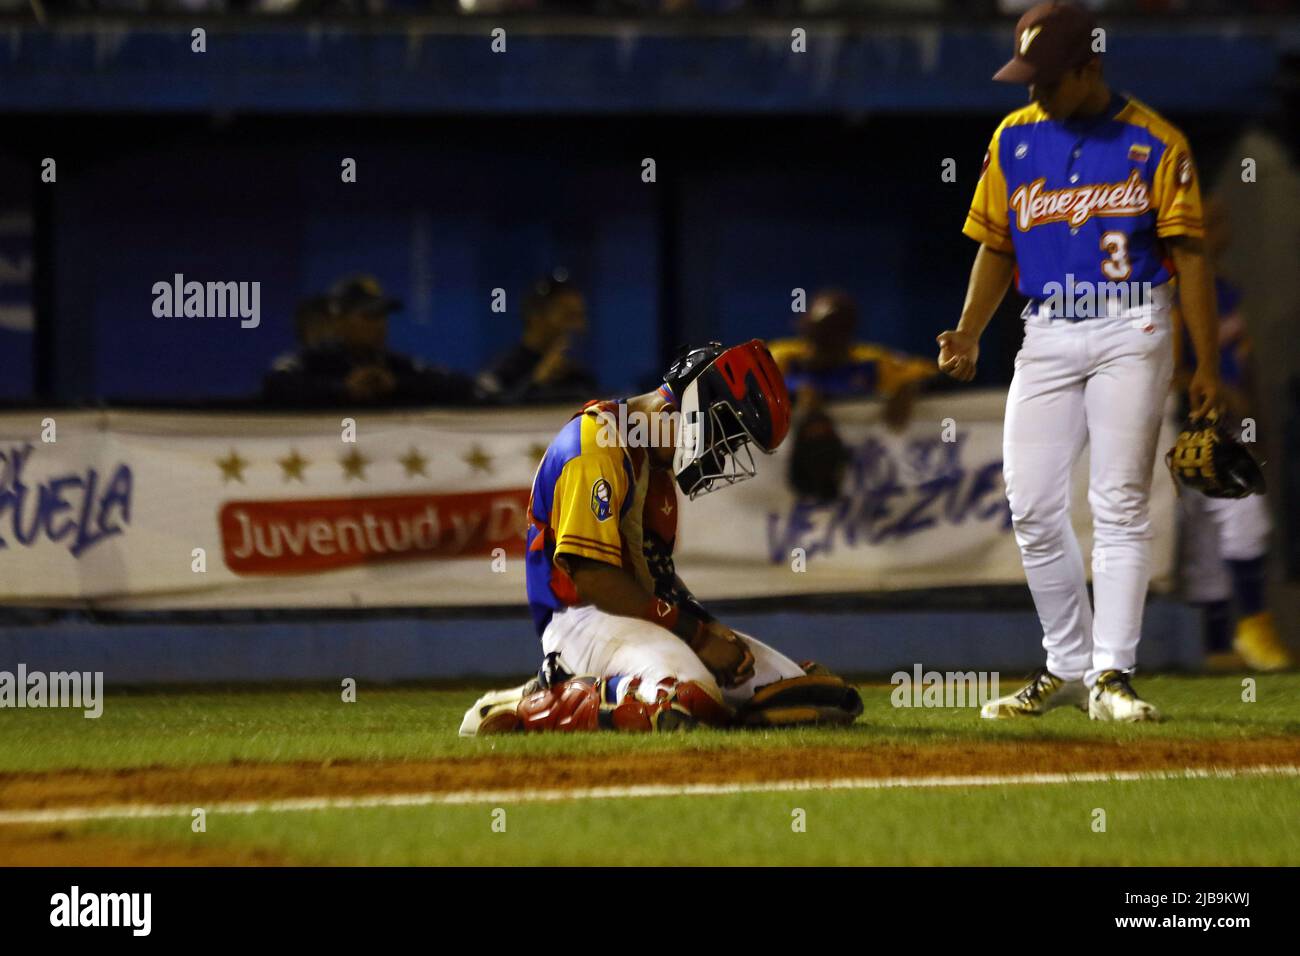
919 509
182 510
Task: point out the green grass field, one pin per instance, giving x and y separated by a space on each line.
172 728
1238 820
1197 822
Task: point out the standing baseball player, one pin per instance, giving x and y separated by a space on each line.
1224 541
1085 191
626 644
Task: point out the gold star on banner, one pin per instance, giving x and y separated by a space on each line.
478 459
232 468
293 465
414 463
536 452
354 465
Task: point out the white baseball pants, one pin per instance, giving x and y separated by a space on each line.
1101 382
590 641
1215 530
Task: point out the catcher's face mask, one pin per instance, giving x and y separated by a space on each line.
712 446
738 400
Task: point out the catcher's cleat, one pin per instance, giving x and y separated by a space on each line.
1044 691
674 720
1113 698
503 719
1259 644
496 712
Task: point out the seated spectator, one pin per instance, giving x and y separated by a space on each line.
539 368
344 358
313 326
825 362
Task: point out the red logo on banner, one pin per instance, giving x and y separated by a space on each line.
303 537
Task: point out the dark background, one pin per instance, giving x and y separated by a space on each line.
447 208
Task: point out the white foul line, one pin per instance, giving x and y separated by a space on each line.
458 797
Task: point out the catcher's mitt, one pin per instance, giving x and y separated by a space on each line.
1207 458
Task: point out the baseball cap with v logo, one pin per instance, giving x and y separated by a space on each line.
1051 38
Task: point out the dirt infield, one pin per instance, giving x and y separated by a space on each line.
265 781
56 846
60 845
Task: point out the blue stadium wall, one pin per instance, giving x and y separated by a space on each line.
775 171
503 647
447 210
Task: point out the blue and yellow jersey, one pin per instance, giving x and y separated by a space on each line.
869 370
594 498
1087 198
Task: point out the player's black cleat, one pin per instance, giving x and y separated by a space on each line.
1044 691
1113 698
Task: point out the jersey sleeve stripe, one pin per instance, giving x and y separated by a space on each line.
987 237
1180 228
570 542
579 551
595 542
985 223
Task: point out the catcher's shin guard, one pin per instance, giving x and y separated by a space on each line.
590 703
678 705
572 705
818 697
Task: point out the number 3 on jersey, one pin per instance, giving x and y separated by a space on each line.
1116 265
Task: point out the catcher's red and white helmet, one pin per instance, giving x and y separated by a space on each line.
728 399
